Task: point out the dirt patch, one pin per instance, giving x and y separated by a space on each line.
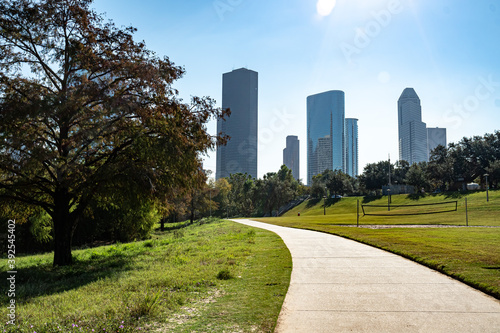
187 313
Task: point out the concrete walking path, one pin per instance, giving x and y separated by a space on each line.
338 285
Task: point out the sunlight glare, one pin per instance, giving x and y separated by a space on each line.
325 7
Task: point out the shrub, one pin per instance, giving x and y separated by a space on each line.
225 275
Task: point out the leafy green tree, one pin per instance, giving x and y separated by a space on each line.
278 189
117 218
417 176
222 189
97 111
494 173
318 187
398 172
375 175
337 182
440 168
241 196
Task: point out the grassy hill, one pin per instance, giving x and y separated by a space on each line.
440 241
343 211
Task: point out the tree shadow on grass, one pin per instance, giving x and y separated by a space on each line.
416 196
312 202
371 198
176 226
492 268
456 194
332 201
43 279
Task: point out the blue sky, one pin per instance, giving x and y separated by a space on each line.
447 50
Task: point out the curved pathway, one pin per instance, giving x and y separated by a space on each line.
338 285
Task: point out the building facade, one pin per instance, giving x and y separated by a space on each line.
412 131
351 147
325 132
435 137
240 95
291 155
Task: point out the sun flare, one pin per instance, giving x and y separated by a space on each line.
325 7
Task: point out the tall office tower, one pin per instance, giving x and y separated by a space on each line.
351 147
325 132
291 156
323 154
412 131
240 95
435 137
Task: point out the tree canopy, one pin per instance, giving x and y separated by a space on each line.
84 110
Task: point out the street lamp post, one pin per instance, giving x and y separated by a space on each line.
389 199
324 204
487 188
389 190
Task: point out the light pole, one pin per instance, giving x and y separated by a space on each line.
389 190
324 204
389 199
487 188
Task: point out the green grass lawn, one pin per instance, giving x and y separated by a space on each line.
471 254
205 277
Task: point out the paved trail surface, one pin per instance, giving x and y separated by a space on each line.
338 285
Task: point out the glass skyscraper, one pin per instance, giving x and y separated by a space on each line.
291 156
435 137
325 132
411 130
240 95
351 147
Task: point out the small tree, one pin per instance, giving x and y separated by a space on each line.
318 190
223 189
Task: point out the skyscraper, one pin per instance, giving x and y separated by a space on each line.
325 132
291 156
435 137
411 130
351 147
240 95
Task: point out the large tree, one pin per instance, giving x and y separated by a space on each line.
85 109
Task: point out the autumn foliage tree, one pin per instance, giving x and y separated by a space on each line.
84 110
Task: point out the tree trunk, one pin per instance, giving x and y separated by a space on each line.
64 225
62 244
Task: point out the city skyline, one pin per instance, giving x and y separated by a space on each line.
371 50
